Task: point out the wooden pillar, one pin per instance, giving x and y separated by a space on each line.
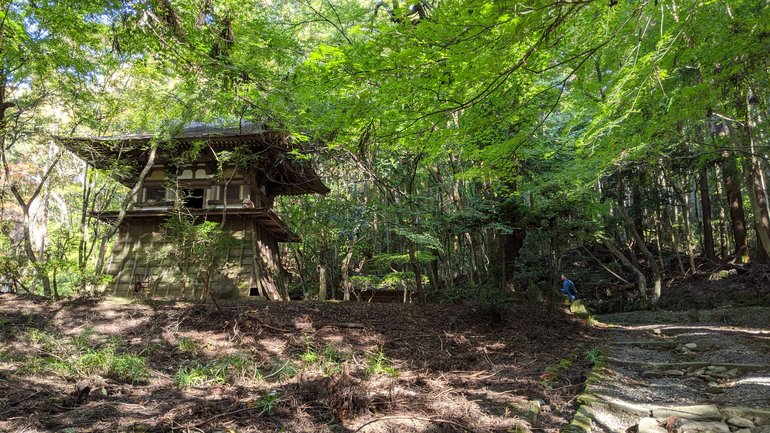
268 264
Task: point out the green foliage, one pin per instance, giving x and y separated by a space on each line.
128 368
284 369
188 345
378 363
191 374
594 356
83 355
269 401
82 341
221 370
309 356
329 360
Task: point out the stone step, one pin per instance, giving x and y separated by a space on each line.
691 364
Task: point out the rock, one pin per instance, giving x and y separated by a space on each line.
740 422
674 373
757 416
691 346
731 373
578 308
651 373
650 425
697 412
527 410
657 331
716 369
703 427
721 275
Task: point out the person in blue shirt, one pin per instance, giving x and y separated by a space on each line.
568 287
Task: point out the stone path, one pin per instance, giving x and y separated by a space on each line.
669 378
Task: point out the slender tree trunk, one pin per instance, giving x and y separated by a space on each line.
417 274
345 271
756 191
705 202
735 204
629 223
322 282
641 280
688 233
124 209
724 226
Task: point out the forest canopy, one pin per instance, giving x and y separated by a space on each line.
469 146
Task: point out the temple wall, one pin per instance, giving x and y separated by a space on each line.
141 268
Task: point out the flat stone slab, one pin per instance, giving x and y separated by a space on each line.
762 429
701 412
626 406
703 427
760 417
740 422
650 425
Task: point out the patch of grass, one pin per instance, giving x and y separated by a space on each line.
378 363
76 358
95 361
128 368
222 370
284 369
309 356
188 345
7 356
269 402
192 374
82 341
48 342
330 359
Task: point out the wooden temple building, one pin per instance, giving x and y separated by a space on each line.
188 174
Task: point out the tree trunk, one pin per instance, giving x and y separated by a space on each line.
628 222
735 204
322 283
641 280
124 209
417 274
705 202
345 271
757 193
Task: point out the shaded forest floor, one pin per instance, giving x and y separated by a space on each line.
715 286
90 365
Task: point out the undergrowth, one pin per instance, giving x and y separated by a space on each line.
378 363
223 370
77 357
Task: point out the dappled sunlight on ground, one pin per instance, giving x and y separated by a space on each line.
302 366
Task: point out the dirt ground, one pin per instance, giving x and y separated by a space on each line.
113 365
